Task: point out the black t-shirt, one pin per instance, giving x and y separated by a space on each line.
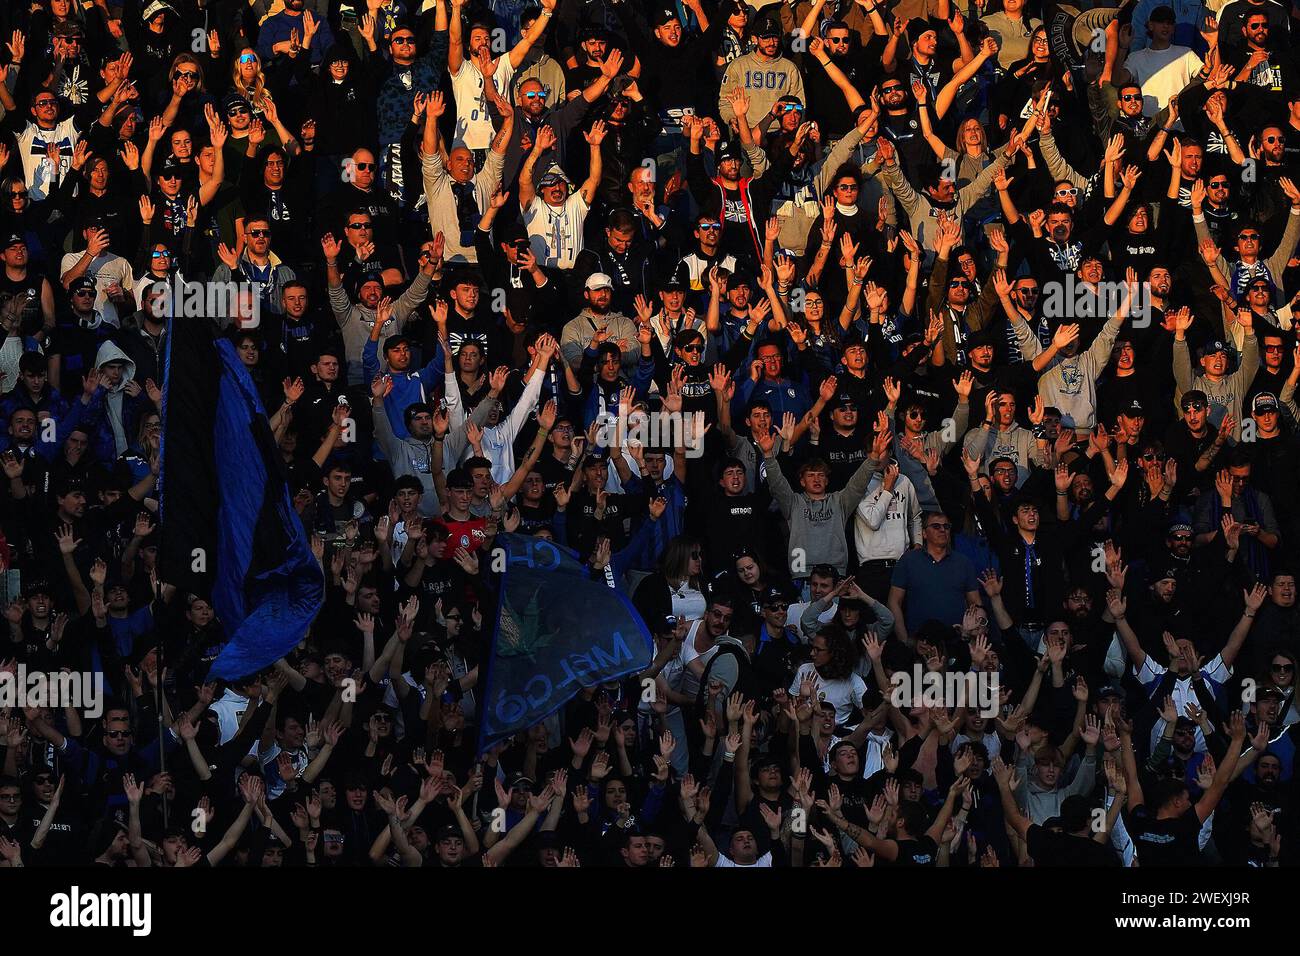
922 851
1170 842
1050 848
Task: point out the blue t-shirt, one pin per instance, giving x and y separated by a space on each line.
936 590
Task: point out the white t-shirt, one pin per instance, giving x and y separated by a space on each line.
688 602
1161 74
845 693
473 121
555 232
726 861
105 269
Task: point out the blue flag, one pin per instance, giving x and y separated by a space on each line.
229 529
558 630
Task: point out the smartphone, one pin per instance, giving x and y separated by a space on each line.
522 246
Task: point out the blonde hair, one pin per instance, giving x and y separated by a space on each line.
255 92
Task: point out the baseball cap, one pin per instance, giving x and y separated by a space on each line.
1211 347
1264 402
155 8
14 239
844 399
661 16
1133 409
599 280
234 99
767 28
80 284
1180 527
673 284
1111 690
447 832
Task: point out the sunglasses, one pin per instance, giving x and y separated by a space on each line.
692 349
1219 185
117 734
1274 348
1130 97
185 74
248 58
259 233
404 40
50 102
170 175
18 194
364 166
709 226
358 225
535 95
891 89
851 187
156 254
1277 668
1248 236
1194 407
1071 191
236 110
1273 139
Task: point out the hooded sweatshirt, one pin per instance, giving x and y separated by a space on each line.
114 404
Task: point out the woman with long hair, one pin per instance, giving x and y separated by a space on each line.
248 80
678 579
830 676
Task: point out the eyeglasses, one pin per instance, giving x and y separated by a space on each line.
1067 191
848 187
12 797
1274 348
774 606
451 617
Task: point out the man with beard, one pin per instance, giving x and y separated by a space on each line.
1197 448
597 323
532 114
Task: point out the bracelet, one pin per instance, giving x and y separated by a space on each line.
546 13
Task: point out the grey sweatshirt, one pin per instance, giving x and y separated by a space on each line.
817 527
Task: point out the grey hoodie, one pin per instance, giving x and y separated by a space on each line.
114 397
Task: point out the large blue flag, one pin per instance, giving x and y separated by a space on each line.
229 529
558 630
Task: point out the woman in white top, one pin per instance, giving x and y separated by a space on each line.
831 673
681 566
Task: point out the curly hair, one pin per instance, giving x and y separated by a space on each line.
842 654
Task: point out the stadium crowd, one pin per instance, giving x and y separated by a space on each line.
863 346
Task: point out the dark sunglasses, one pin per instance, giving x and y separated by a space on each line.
117 734
1130 97
709 226
696 347
404 40
358 225
1283 668
185 74
364 166
259 233
236 110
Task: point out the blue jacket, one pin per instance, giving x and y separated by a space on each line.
409 387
